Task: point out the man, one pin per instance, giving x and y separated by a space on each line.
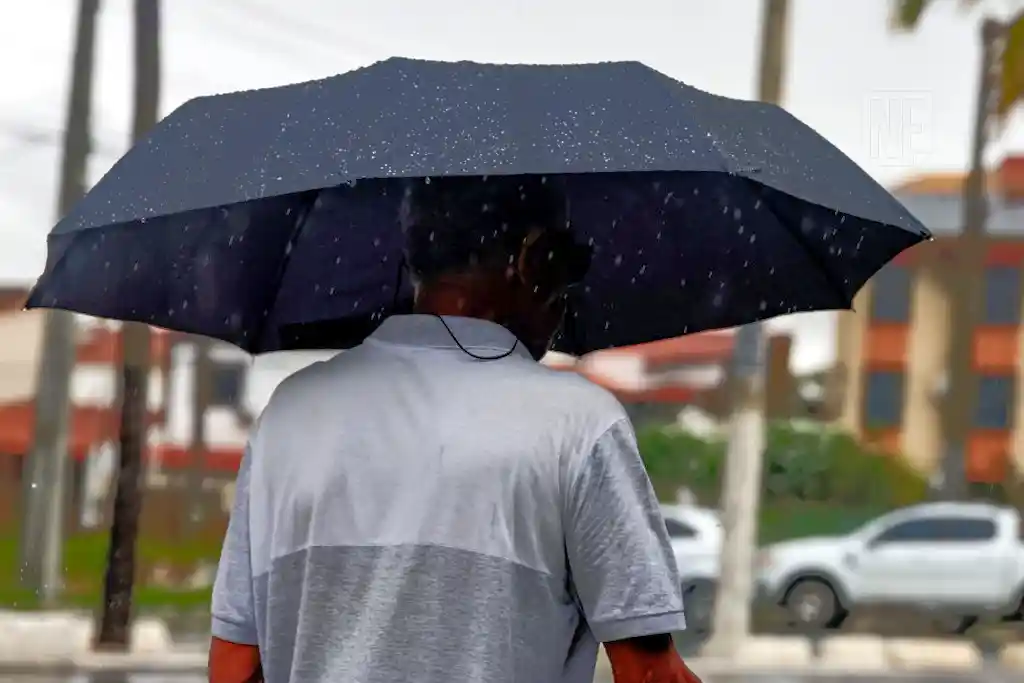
435 506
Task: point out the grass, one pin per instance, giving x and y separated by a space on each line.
799 519
85 559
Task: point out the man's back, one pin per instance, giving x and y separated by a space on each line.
407 517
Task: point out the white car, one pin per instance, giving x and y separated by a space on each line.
960 559
696 537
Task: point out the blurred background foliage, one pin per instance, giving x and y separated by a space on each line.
815 481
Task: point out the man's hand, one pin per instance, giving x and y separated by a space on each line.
648 659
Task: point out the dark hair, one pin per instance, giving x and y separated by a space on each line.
457 222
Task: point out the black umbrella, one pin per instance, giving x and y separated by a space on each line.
253 216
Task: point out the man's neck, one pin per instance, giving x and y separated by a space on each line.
455 300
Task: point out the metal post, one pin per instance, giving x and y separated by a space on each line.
742 486
740 495
45 528
43 513
201 369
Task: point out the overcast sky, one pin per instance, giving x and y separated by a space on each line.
897 104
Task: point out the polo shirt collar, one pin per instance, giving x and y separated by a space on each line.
427 331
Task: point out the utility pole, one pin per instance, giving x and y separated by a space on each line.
201 371
114 632
742 486
967 295
44 491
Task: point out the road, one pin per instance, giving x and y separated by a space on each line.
993 677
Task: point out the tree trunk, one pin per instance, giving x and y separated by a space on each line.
961 396
114 631
44 474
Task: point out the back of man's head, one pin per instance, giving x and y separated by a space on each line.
456 224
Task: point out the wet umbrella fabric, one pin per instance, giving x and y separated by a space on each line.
255 217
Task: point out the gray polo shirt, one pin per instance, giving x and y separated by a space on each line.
408 513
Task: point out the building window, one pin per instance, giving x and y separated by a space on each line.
996 399
883 399
891 290
228 381
1002 295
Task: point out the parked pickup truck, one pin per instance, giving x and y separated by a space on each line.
962 560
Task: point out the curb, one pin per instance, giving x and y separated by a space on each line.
933 655
1012 657
55 635
165 663
850 655
62 642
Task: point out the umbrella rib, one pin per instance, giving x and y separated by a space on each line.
816 258
300 224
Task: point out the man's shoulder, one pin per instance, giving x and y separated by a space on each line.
575 393
305 384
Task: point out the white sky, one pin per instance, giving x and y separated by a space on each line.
845 70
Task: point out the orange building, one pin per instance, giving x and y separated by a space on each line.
893 352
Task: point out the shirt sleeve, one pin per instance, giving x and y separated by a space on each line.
620 559
234 616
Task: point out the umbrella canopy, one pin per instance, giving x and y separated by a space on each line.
252 216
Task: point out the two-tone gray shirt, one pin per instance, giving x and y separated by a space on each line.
406 512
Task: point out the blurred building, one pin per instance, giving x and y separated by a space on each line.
239 387
92 385
659 380
892 353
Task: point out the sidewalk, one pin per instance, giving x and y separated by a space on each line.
61 642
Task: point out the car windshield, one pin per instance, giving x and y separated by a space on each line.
699 521
875 526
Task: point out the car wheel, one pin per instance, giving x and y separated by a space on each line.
698 604
1017 614
954 625
814 605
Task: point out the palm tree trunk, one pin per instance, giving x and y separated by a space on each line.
968 291
44 476
114 631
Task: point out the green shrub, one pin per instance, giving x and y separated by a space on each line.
801 465
676 458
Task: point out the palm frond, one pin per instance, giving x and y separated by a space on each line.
905 15
1011 86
